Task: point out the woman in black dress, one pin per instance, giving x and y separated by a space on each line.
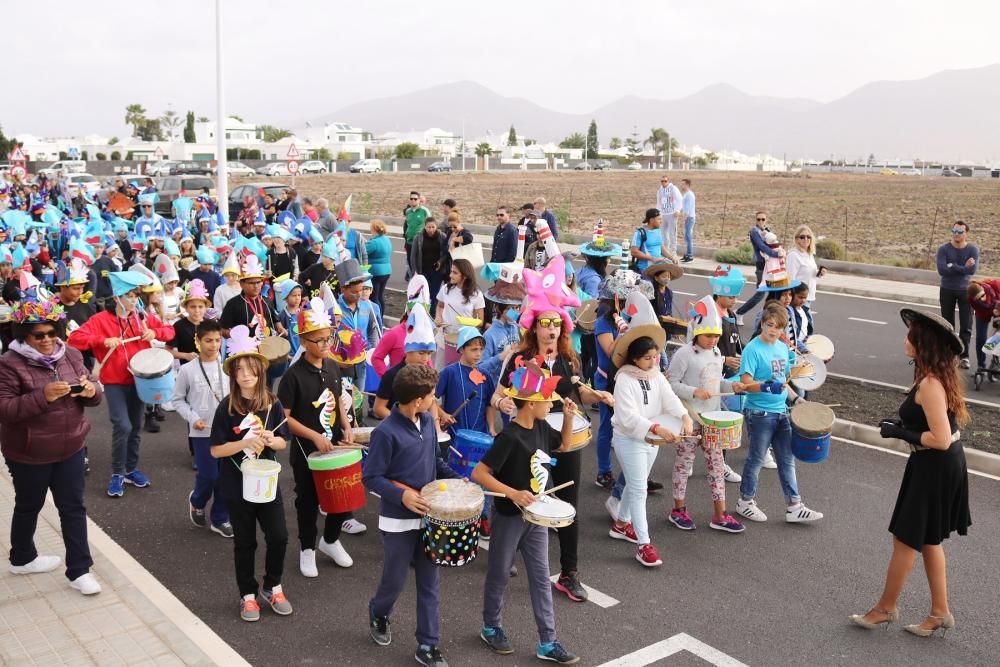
933 499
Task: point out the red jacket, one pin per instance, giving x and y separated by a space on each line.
984 309
32 430
104 325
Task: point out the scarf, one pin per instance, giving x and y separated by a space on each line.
638 374
31 354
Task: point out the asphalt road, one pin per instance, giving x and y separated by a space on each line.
777 595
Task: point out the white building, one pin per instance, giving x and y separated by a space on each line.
431 141
338 138
238 133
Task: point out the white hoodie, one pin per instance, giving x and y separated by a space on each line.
640 396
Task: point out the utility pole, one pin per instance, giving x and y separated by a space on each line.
222 182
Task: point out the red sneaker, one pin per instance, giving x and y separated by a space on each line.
484 529
625 532
648 556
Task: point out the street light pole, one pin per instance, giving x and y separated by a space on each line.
222 181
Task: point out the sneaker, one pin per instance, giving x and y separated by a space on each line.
739 320
513 570
769 461
648 556
353 527
116 487
732 476
728 524
276 598
554 652
249 609
496 639
749 509
605 480
168 407
225 529
964 363
652 486
801 514
430 656
379 630
197 515
686 258
569 583
137 479
335 551
86 465
681 519
626 532
307 563
86 584
151 426
612 504
37 566
158 413
484 529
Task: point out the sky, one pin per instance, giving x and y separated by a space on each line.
299 59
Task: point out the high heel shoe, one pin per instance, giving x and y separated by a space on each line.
947 623
890 617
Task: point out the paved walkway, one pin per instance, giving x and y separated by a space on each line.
133 621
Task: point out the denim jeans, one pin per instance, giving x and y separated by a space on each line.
604 431
689 236
636 459
206 481
126 410
950 298
769 429
982 335
756 297
378 290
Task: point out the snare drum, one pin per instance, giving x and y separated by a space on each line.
721 429
815 379
812 426
550 512
276 349
153 371
451 526
581 430
821 346
669 422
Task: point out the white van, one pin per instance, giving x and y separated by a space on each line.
65 166
368 166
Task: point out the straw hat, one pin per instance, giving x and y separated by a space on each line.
242 344
533 382
656 268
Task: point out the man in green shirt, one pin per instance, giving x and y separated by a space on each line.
414 216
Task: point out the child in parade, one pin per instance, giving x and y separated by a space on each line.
403 458
251 420
504 333
418 352
206 270
289 303
199 389
459 380
196 303
231 288
727 282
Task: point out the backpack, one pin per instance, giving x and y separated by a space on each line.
633 263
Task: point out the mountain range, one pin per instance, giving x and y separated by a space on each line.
948 116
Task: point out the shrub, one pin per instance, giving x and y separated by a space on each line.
101 156
116 155
830 249
742 254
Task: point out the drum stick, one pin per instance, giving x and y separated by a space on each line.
472 395
127 340
725 393
832 405
347 445
557 488
494 494
456 453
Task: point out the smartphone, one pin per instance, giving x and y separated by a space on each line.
75 389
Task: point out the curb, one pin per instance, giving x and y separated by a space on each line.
979 461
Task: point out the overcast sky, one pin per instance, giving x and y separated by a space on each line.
78 64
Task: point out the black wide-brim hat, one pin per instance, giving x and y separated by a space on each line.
941 325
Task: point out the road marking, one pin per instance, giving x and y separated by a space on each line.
676 644
861 319
677 291
593 595
889 385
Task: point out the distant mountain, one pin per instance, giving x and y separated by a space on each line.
947 116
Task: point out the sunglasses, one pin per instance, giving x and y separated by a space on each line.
958 231
413 199
320 341
44 334
500 215
803 237
547 322
664 181
761 219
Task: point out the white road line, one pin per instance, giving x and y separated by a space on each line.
677 291
593 595
861 319
904 455
889 385
676 644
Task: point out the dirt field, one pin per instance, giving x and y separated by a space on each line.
888 219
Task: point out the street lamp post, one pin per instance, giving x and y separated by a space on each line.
222 181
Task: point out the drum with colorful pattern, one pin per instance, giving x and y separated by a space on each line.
451 527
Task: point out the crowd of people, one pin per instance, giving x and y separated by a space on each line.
272 327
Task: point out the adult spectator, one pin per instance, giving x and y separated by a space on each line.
647 242
800 262
309 209
292 203
379 249
44 387
270 209
984 295
528 217
761 251
447 207
456 237
504 238
688 213
548 216
425 257
325 219
957 262
670 203
414 217
149 188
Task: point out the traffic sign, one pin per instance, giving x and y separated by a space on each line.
73 152
158 152
18 171
17 155
293 166
293 152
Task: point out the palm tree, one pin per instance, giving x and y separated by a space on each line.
483 149
171 121
135 115
658 140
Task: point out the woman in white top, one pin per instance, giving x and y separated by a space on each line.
800 262
459 298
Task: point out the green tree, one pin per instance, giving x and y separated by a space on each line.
170 121
407 150
239 118
189 135
135 115
322 154
575 140
711 157
115 155
660 140
483 149
150 130
592 143
6 145
344 155
101 156
203 119
128 156
512 136
633 147
112 141
84 156
269 134
615 144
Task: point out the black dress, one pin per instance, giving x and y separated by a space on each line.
933 499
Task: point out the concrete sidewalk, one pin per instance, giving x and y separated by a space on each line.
133 621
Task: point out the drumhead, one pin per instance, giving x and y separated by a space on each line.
151 363
443 436
671 423
551 507
812 418
722 418
453 499
816 380
555 420
260 466
821 346
333 460
275 347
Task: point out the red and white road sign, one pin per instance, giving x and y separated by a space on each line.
18 171
17 155
293 152
293 166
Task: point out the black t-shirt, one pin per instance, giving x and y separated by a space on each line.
238 311
302 384
230 477
730 344
509 458
385 384
430 253
313 277
80 312
307 257
183 336
281 263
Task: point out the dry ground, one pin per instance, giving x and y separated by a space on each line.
887 219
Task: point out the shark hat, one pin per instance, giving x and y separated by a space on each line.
642 321
705 318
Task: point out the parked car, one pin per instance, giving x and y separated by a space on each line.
439 166
634 166
583 166
235 169
273 169
950 172
313 167
257 189
888 172
910 172
366 166
88 182
65 166
191 168
5 168
603 165
161 168
172 187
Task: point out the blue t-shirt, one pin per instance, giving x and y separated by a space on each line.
652 245
602 326
766 361
455 385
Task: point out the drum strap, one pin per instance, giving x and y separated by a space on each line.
218 374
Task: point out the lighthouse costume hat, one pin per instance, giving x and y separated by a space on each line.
314 317
642 321
74 273
705 319
547 291
195 290
531 381
242 344
419 332
599 246
727 280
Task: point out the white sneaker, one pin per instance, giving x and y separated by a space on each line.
611 504
337 552
37 566
749 509
769 461
732 476
353 527
801 514
739 320
307 563
86 584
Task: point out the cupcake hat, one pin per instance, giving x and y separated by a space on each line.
547 291
242 344
195 290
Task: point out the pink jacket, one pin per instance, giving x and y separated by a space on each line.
390 346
